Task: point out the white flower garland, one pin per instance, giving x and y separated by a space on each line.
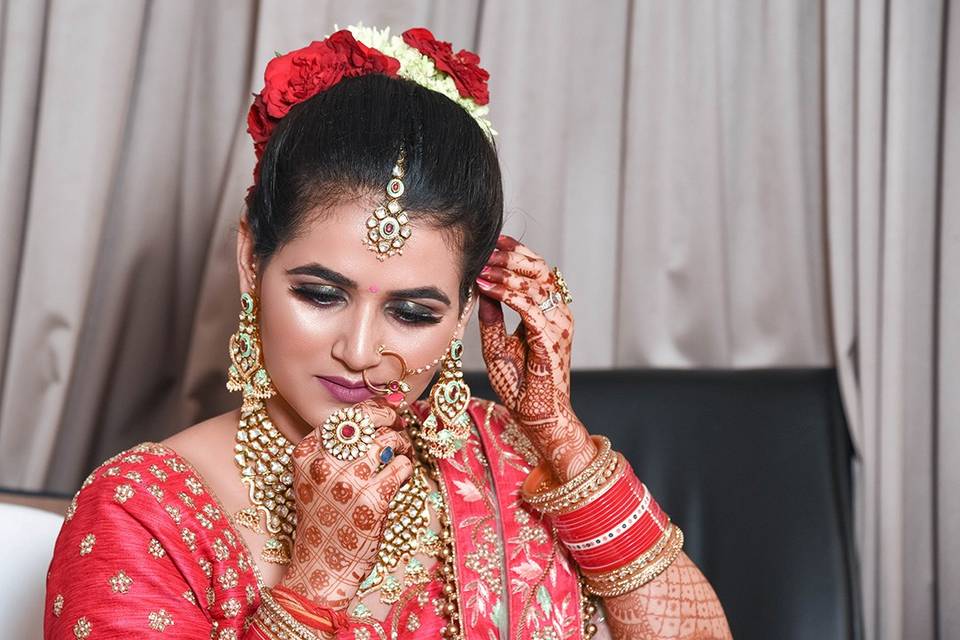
419 68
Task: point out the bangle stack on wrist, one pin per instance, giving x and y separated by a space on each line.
609 522
286 615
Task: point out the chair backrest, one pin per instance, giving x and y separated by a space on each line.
27 536
755 468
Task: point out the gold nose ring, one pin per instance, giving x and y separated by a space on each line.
394 385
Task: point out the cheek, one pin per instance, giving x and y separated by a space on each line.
291 332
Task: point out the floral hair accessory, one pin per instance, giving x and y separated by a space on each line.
296 76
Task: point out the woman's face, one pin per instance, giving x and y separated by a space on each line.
327 303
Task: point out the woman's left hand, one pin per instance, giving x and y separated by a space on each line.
530 369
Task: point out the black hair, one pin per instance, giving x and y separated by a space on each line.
344 142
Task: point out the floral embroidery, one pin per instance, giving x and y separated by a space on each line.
413 622
123 493
251 594
214 515
120 583
156 549
228 580
160 620
175 465
156 492
211 596
159 473
189 538
58 604
196 488
361 634
206 566
203 520
190 597
227 634
173 512
82 629
231 608
112 471
86 545
132 475
220 549
132 459
187 500
71 509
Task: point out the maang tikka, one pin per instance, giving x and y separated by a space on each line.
388 227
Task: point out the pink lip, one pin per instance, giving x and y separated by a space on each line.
340 391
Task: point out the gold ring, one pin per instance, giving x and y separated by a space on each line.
394 385
562 286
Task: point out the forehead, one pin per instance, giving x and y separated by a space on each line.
334 238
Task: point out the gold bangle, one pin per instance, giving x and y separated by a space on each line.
645 575
626 572
280 622
593 491
537 498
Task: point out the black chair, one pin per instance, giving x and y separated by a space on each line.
754 466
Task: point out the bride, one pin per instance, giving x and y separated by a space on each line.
331 502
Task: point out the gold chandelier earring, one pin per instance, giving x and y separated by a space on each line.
247 372
447 427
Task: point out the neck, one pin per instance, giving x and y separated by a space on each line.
286 420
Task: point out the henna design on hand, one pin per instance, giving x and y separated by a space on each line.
679 604
530 369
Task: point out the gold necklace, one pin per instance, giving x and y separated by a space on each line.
407 531
265 458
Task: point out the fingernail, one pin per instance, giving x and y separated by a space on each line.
483 284
485 271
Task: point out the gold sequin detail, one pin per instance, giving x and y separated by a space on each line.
58 604
175 465
156 549
112 471
229 579
187 500
190 597
158 473
82 629
231 608
121 582
226 534
251 594
242 561
156 492
133 475
361 634
86 545
206 567
189 538
227 634
211 596
173 512
220 549
196 488
71 509
203 520
214 515
413 622
160 620
123 493
133 458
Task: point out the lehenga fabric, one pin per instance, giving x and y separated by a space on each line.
148 549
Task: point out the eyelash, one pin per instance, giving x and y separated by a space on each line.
322 299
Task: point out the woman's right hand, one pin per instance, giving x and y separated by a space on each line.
341 509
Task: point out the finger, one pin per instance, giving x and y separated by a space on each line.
399 442
531 316
381 414
397 472
517 282
493 329
530 266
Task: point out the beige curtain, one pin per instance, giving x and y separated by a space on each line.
724 184
892 100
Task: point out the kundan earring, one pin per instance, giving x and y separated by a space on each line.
447 428
247 372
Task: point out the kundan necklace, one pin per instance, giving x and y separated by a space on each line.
265 458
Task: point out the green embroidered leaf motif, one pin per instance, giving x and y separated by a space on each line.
543 599
498 615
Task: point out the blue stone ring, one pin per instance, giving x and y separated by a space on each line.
386 455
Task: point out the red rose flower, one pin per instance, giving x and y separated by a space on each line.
463 67
301 74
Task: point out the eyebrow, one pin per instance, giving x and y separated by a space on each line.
324 273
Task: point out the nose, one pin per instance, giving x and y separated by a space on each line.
356 345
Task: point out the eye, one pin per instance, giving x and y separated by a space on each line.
414 314
321 296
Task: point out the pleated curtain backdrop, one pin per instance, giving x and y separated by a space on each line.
724 184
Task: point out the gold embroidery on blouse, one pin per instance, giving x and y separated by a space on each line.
173 512
194 485
361 634
158 473
121 582
133 475
160 620
89 479
123 493
203 520
220 549
71 509
190 597
156 492
86 545
211 596
227 535
251 594
413 622
187 500
112 471
133 458
229 578
175 465
214 515
242 562
82 629
58 604
231 608
206 567
227 634
156 549
189 538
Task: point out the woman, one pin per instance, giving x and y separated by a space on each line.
327 505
